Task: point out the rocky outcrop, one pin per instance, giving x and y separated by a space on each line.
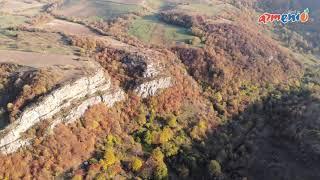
53 5
153 77
54 102
69 101
109 98
150 88
146 67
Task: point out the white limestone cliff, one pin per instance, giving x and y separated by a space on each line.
55 101
150 88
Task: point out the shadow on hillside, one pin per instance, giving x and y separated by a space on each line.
4 121
276 139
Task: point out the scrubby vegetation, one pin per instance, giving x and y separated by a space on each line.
20 90
171 149
234 72
29 87
244 148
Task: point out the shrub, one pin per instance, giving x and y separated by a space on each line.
172 122
170 149
183 172
109 159
197 31
100 176
199 130
155 136
218 97
94 116
214 168
87 43
10 107
195 41
165 135
4 177
161 171
112 140
147 137
77 177
141 119
202 125
26 89
157 155
152 116
82 52
220 107
136 164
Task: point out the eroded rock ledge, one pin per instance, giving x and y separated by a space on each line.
85 91
147 67
71 99
150 88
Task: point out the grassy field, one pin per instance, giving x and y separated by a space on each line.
212 9
11 20
149 29
67 27
155 4
104 9
19 7
34 42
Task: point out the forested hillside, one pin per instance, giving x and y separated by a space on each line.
158 89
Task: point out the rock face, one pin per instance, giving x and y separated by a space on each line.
71 99
147 67
154 77
54 102
150 88
109 98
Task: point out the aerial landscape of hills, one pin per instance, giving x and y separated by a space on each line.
159 89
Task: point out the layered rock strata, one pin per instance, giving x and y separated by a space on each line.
84 90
